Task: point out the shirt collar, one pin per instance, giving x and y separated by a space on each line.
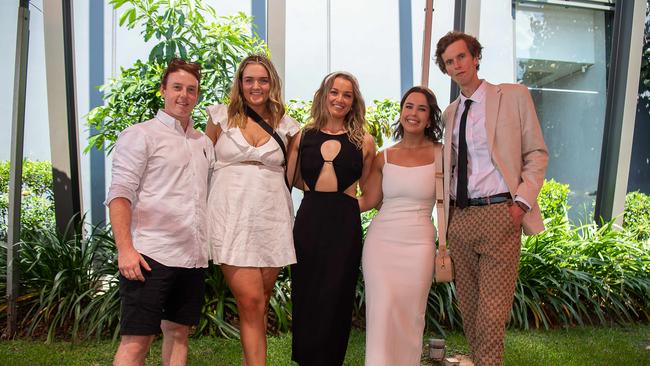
172 122
477 97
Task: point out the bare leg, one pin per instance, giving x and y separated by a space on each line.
132 350
248 286
175 344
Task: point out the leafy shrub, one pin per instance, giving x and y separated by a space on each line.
380 116
37 202
553 200
637 215
300 110
366 219
37 178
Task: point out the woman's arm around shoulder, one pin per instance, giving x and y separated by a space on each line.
369 152
372 193
293 173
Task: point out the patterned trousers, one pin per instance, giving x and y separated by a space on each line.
485 246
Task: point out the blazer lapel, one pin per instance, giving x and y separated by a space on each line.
492 100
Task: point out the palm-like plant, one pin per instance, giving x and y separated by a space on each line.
61 276
588 274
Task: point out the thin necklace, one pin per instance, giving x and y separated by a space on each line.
337 132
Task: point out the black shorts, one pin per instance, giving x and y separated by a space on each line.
169 293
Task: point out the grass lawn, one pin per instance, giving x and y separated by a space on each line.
578 346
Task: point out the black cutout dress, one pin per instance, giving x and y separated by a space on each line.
327 237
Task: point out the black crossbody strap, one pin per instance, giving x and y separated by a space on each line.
266 127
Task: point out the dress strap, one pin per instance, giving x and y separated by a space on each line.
386 156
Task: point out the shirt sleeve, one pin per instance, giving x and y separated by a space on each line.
522 200
129 163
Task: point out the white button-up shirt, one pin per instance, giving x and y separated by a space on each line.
163 171
483 178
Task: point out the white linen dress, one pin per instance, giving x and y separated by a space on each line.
250 212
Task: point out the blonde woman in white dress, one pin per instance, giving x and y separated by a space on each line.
250 214
398 252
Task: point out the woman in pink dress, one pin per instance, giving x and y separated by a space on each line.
399 249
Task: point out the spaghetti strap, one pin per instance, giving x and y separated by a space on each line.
386 156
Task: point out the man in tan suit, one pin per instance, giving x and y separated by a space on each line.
495 159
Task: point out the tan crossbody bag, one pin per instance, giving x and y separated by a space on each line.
444 267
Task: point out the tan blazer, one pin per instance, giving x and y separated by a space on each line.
515 142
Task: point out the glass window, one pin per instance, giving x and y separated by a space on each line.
562 56
363 39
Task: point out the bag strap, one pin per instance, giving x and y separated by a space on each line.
440 203
265 126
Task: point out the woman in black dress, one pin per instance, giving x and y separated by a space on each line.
333 159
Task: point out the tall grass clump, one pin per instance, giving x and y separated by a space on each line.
443 311
583 274
62 276
580 275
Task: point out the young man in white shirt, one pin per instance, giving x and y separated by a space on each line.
495 159
157 203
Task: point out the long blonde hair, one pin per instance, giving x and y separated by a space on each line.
236 114
355 120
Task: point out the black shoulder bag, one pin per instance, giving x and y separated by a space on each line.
265 126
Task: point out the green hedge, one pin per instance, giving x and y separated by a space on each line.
37 202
